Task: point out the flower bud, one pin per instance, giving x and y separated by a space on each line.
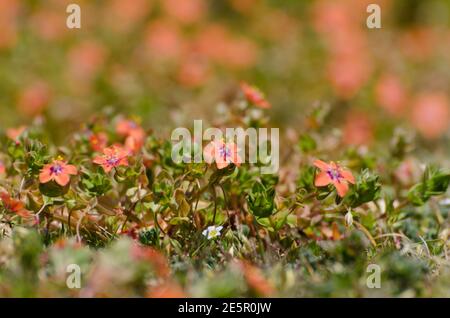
349 218
261 200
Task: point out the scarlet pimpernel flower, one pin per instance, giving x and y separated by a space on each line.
333 173
58 171
98 141
15 133
13 205
254 95
112 157
223 154
134 133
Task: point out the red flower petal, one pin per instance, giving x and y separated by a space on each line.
321 164
341 187
322 179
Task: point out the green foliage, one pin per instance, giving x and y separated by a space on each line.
434 182
261 200
307 143
52 189
366 189
95 183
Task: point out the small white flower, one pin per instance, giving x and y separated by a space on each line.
212 231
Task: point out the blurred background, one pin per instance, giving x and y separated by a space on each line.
172 61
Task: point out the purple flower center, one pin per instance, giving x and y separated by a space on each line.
112 161
56 169
334 174
224 152
132 124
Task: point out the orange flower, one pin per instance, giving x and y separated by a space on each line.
391 94
85 60
358 129
98 141
256 280
2 167
254 95
240 53
163 40
112 157
15 133
166 290
188 11
135 134
14 206
430 114
332 173
126 127
222 154
193 72
134 143
348 73
129 13
34 98
58 171
157 259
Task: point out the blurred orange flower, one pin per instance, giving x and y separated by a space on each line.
256 280
194 72
157 259
127 127
134 143
14 206
243 6
86 59
348 74
186 11
418 43
2 167
211 41
58 171
49 24
332 173
431 114
34 98
217 43
15 133
163 40
240 53
358 129
9 13
254 95
391 94
408 172
129 13
135 134
166 290
330 16
98 141
349 67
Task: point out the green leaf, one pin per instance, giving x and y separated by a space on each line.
265 222
434 182
261 200
307 143
279 219
366 189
